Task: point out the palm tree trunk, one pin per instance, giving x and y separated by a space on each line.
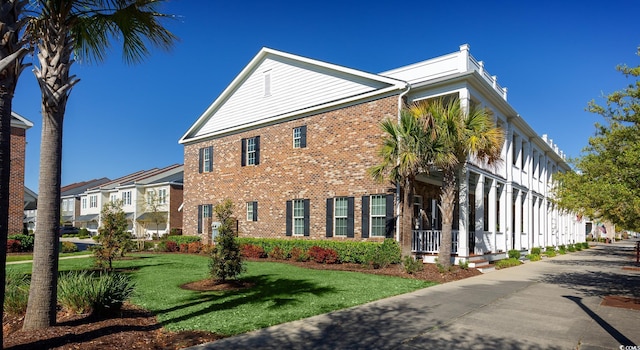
54 54
406 228
447 198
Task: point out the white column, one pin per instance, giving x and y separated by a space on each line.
518 226
528 220
508 228
536 222
479 234
502 239
492 215
463 207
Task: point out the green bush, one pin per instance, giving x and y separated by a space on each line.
536 251
578 246
348 251
84 233
182 239
69 247
571 248
225 260
502 264
26 241
534 257
464 264
16 292
585 245
99 295
412 265
514 254
385 254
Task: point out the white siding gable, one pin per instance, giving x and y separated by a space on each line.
278 85
292 86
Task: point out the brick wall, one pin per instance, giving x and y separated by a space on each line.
341 145
175 200
16 182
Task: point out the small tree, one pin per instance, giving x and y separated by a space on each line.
113 236
226 261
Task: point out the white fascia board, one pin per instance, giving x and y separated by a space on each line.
395 84
294 113
20 121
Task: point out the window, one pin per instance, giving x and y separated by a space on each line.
204 217
340 216
126 198
150 196
377 215
252 211
84 202
300 137
297 216
113 198
93 201
162 196
205 160
251 151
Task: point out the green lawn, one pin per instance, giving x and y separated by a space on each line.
281 293
25 257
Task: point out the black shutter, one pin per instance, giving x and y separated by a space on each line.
255 211
257 144
390 216
365 216
200 158
329 217
210 158
350 215
243 155
200 219
303 136
306 217
289 218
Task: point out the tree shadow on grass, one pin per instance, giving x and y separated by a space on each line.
279 292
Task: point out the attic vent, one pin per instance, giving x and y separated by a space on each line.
267 83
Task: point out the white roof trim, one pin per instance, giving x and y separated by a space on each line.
20 121
395 85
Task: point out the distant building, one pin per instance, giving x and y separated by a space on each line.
70 199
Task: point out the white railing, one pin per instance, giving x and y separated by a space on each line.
428 241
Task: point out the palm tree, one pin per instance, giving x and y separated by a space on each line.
406 150
60 30
11 54
463 135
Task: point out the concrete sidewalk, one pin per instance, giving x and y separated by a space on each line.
550 304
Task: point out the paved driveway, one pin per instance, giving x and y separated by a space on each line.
550 304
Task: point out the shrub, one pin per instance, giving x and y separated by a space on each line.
16 292
226 260
277 253
84 233
534 257
179 240
171 246
299 254
13 246
514 254
412 265
578 246
26 241
99 295
193 247
323 255
184 247
550 253
464 264
69 247
252 251
536 251
383 255
571 248
585 245
501 264
114 239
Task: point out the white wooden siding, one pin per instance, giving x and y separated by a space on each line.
294 86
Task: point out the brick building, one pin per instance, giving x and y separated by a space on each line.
290 140
19 126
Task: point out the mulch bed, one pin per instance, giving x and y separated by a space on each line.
135 328
621 302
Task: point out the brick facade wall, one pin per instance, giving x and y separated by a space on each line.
175 200
16 182
341 145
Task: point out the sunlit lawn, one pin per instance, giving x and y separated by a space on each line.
25 257
281 292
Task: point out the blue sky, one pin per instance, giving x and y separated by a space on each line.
553 56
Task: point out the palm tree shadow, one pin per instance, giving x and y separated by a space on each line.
279 292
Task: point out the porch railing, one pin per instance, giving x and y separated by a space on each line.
428 241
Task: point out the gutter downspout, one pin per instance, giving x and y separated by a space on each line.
404 93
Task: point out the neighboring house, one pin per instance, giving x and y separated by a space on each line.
70 197
291 138
19 126
30 209
151 200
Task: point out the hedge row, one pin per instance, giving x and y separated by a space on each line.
348 252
